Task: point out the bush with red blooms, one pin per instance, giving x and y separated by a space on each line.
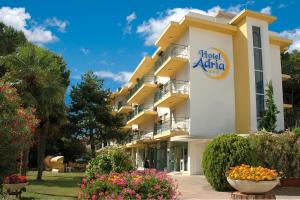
148 184
14 179
17 125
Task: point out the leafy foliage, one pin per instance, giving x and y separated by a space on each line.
90 112
110 159
296 131
268 120
223 152
10 39
17 126
41 78
278 151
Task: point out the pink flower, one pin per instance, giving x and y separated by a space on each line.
138 196
82 186
84 181
157 187
120 197
101 194
94 197
128 191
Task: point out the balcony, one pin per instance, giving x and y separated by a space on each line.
139 137
172 93
141 113
171 60
287 101
144 86
123 107
171 127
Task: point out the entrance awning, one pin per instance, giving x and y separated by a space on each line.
189 138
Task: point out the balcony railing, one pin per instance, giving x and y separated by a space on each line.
171 87
174 50
142 135
138 109
140 82
173 124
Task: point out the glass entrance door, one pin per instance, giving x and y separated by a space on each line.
178 156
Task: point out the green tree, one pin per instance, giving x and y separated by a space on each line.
268 120
41 78
10 39
90 112
291 88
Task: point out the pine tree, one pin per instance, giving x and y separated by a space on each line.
268 121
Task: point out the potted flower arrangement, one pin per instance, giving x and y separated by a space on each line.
252 180
15 184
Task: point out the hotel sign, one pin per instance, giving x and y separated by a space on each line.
214 63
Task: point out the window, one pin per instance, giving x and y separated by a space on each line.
258 67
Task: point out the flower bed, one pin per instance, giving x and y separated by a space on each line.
148 184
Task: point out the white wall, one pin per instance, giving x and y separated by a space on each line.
277 84
212 102
271 70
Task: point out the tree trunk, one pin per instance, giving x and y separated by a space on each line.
24 161
93 148
41 150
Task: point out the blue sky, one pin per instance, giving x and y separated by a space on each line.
111 37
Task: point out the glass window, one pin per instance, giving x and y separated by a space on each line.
259 82
256 36
258 59
260 105
259 78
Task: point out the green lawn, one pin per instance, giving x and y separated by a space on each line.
54 186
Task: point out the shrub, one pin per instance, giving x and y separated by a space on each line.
148 184
278 151
110 159
223 152
296 131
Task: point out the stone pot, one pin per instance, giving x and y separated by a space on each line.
253 187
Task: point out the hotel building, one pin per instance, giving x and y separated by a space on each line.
207 77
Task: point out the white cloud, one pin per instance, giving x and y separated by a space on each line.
130 18
85 51
293 35
152 28
267 10
18 18
59 24
121 77
282 5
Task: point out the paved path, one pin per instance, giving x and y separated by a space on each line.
196 187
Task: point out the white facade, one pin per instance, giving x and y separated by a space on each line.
193 106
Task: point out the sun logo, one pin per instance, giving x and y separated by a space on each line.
214 63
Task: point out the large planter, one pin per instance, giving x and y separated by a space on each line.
14 188
252 187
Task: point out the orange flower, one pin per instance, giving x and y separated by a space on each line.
247 172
